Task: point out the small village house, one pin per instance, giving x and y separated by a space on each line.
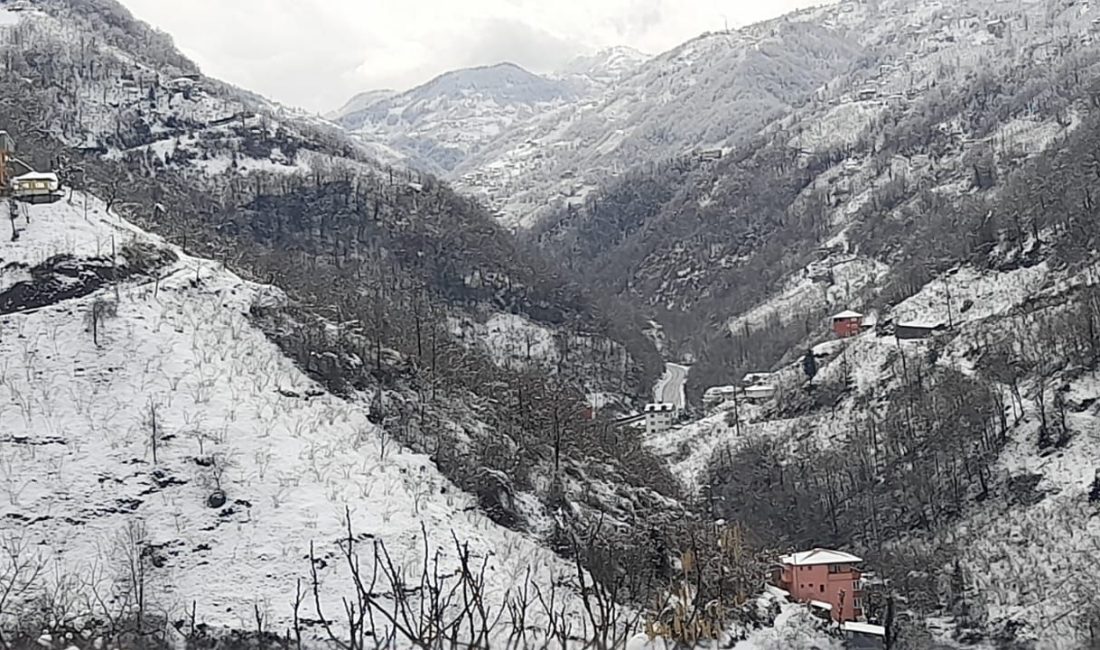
863 636
756 378
36 187
760 393
827 580
912 330
716 395
847 324
658 417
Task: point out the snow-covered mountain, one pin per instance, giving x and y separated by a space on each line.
395 299
710 93
360 102
604 68
693 234
151 421
441 123
941 178
312 335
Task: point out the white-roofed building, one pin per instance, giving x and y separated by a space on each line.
824 576
658 417
847 323
36 187
820 556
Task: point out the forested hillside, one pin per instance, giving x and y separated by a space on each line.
393 282
440 124
849 201
715 91
944 180
333 333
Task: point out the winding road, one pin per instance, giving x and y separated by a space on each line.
670 387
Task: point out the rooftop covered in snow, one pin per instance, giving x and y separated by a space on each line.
921 324
36 176
819 556
863 628
845 315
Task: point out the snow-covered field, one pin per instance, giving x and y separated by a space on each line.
78 467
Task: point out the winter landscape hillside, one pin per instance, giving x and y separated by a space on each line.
445 122
826 285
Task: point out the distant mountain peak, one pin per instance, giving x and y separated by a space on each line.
505 82
440 123
360 102
609 63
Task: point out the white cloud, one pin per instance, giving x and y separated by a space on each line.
317 53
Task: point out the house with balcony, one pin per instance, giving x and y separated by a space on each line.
827 580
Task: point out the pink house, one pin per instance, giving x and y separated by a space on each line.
847 323
827 580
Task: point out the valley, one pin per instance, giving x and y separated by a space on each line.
787 337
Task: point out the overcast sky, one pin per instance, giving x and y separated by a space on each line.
318 53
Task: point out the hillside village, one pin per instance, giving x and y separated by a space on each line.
826 378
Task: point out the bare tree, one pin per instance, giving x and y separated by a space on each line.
20 570
152 423
100 310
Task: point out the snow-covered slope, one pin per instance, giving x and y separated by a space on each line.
710 93
1025 545
441 123
933 182
360 102
183 397
601 70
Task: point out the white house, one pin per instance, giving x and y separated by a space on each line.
760 393
658 417
715 395
754 378
36 187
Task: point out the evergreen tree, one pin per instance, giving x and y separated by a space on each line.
809 365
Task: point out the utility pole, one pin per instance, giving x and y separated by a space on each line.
889 640
950 316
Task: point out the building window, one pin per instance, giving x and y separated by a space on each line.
857 604
838 568
822 588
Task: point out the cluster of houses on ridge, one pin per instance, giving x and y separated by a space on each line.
758 387
849 323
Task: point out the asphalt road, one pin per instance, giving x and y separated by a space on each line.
670 387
